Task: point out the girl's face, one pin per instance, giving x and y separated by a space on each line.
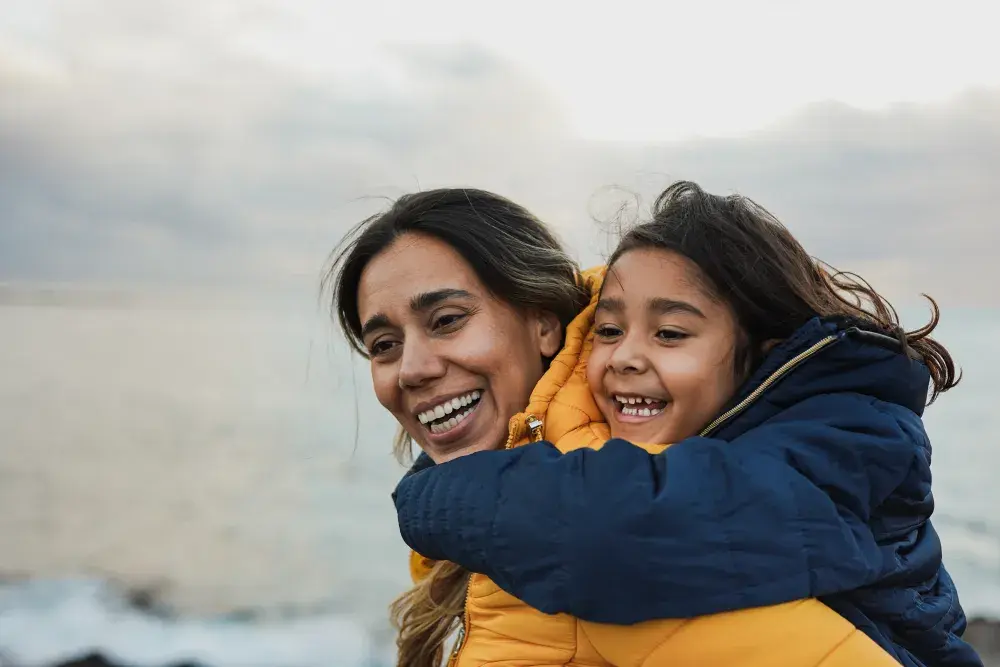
663 360
451 362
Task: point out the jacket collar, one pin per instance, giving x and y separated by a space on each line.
860 359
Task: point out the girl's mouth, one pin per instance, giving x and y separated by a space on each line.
638 407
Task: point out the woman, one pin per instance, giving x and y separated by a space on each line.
481 292
778 501
460 299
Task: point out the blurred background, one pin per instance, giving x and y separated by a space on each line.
194 469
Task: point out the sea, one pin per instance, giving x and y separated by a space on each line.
191 476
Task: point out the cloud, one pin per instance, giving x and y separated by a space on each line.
208 164
161 146
904 192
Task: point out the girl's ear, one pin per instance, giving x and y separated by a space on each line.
769 345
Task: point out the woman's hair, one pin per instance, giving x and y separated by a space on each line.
751 262
520 262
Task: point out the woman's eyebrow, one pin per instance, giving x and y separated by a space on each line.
430 299
376 321
418 303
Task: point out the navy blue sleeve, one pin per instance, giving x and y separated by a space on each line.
618 535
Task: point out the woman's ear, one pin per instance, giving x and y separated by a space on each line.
550 334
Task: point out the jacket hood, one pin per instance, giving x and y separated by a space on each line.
565 382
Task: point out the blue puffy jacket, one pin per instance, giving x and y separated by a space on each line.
816 483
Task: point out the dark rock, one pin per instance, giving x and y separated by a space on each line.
984 635
98 660
89 660
148 599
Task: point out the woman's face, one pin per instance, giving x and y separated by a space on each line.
449 360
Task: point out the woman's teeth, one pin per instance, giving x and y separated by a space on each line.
451 413
638 406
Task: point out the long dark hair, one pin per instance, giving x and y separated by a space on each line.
519 261
755 265
514 254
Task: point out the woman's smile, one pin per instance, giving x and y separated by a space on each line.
442 416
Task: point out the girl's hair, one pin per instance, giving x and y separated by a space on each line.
519 261
753 263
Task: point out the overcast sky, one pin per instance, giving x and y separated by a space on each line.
234 142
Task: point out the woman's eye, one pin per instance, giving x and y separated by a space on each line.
606 331
380 347
671 336
449 320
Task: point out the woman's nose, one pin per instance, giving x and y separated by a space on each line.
420 363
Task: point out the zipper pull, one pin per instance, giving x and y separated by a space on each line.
535 424
521 425
459 642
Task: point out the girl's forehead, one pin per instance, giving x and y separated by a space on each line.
644 270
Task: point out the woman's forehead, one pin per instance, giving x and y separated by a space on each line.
414 271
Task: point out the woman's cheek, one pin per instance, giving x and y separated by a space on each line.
385 382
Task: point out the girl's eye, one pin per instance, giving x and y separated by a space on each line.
607 331
670 335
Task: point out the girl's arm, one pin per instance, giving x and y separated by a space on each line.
618 535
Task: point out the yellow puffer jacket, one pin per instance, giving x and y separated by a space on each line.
502 631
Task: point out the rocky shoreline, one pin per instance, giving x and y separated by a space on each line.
984 634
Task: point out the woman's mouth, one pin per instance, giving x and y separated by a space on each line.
638 407
448 415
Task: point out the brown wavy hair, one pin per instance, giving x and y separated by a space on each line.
520 261
754 264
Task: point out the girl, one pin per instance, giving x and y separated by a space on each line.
801 467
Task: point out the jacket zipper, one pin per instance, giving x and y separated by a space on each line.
516 429
785 368
463 630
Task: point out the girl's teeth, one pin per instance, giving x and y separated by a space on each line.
641 412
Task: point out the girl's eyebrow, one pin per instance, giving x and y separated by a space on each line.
611 304
662 306
657 305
